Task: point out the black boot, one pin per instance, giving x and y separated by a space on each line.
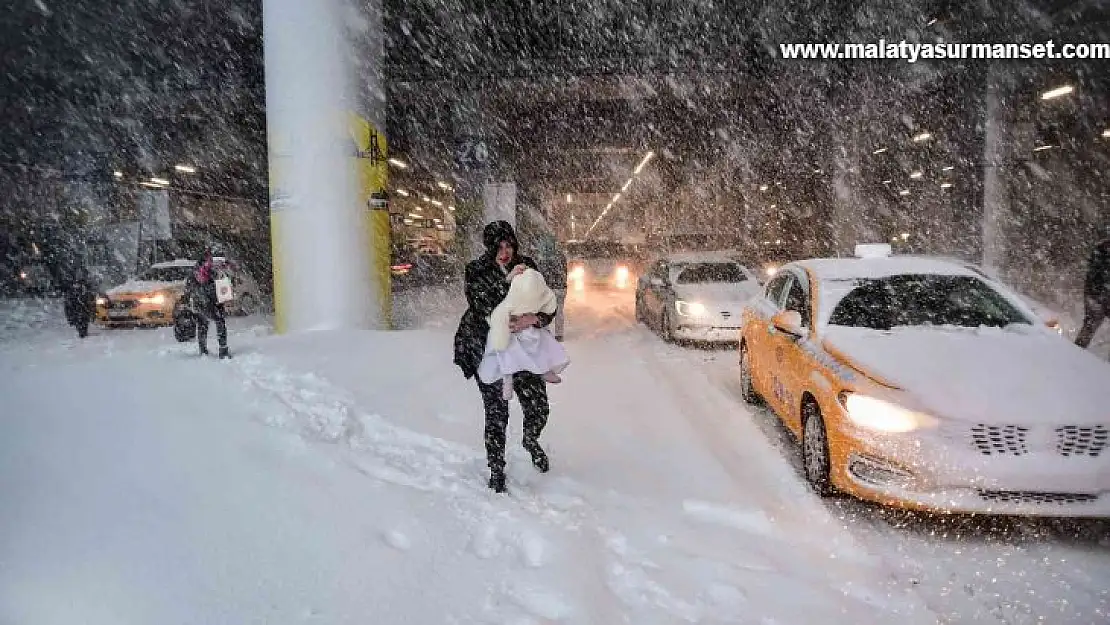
497 481
224 353
539 458
203 350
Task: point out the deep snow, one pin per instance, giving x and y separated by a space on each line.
339 478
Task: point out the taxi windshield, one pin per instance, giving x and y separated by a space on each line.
917 300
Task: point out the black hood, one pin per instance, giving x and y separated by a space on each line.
496 232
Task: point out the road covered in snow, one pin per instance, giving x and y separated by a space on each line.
340 478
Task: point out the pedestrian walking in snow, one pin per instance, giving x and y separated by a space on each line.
80 301
552 264
487 284
1096 292
200 299
532 349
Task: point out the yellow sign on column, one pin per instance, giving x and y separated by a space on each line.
370 160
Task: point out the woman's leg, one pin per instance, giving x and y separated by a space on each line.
532 391
497 421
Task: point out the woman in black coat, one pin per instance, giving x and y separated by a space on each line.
486 285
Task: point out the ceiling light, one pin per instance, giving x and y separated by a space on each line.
416 216
904 192
616 198
450 208
402 192
887 181
568 198
647 157
1042 148
946 185
1057 92
879 151
444 186
396 162
119 174
924 136
185 169
763 187
159 181
151 185
817 171
905 235
932 21
425 198
626 185
949 168
917 174
437 203
1106 134
774 206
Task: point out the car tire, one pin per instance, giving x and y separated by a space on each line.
747 383
815 450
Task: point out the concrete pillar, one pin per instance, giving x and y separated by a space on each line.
995 203
474 161
322 60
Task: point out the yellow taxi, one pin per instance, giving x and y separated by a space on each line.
922 383
147 300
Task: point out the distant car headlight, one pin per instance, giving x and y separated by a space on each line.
882 416
101 301
622 277
157 299
689 309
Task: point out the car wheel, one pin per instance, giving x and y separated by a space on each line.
815 450
747 385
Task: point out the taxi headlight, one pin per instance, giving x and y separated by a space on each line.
578 272
882 416
157 299
689 309
622 277
101 301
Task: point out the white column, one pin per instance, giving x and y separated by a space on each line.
994 186
320 239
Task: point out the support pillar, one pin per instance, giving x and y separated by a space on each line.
321 67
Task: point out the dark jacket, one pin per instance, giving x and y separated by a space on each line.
1097 286
201 298
485 288
80 300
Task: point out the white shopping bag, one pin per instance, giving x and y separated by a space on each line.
223 290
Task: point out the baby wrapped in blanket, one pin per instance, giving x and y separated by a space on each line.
533 349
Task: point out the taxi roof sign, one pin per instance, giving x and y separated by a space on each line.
873 250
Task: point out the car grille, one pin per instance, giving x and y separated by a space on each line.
1076 440
1012 496
1000 440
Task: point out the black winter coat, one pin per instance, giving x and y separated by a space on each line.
485 289
1097 286
80 301
201 298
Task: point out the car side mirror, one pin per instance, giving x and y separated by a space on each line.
789 322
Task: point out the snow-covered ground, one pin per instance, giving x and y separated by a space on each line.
340 478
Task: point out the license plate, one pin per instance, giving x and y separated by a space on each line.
119 314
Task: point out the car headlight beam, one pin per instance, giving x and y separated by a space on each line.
689 309
883 416
157 299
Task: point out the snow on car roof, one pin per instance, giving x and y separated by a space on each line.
180 262
701 257
854 268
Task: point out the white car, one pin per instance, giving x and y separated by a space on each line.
695 296
923 383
